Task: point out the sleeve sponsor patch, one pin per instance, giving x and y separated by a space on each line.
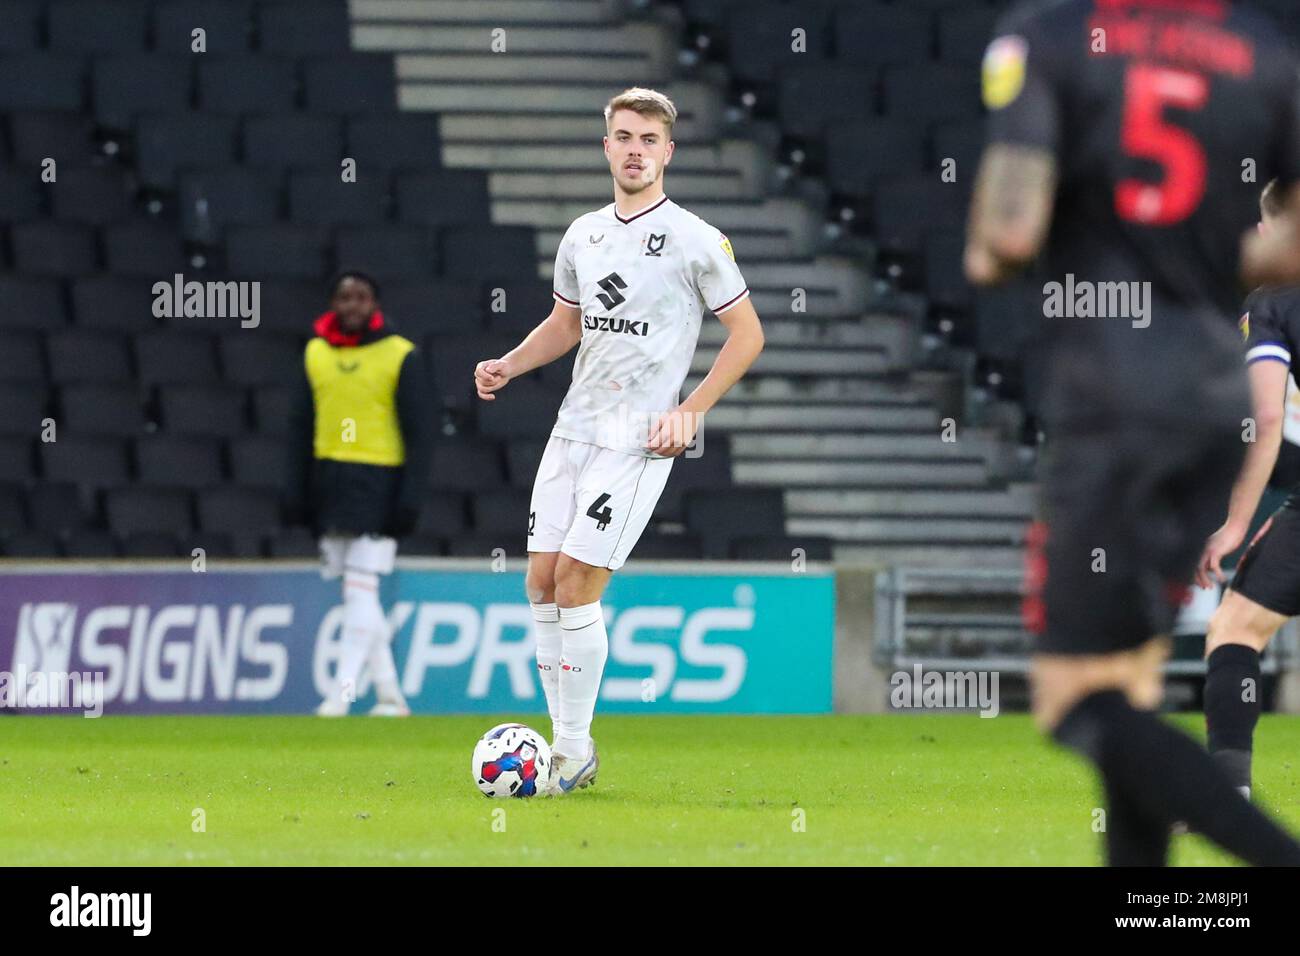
1003 72
726 247
1244 324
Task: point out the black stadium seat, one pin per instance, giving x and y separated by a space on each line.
503 512
172 357
110 410
350 83
38 134
449 197
166 143
91 26
26 406
143 508
97 462
16 461
896 33
41 81
78 357
92 194
113 303
285 140
321 197
280 250
394 140
56 507
253 357
821 96
20 193
181 462
22 359
122 87
466 465
388 252
285 31
48 248
760 39
202 410
143 247
257 461
227 25
31 304
246 84
20 25
211 199
719 517
487 252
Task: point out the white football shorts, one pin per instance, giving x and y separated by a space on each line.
593 503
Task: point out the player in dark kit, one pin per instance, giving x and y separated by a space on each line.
1117 136
1265 590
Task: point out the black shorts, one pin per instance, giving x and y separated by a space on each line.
1125 515
1269 572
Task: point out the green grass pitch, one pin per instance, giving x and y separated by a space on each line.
893 790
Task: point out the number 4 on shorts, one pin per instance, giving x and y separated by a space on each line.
602 517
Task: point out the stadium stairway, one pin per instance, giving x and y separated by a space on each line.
834 413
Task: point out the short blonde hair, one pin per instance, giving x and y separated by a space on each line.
648 103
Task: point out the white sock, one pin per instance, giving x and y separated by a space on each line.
546 627
383 669
363 621
586 646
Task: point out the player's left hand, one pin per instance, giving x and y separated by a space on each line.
673 432
1221 544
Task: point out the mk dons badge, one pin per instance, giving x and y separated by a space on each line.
1004 71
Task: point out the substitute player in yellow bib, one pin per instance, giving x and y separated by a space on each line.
632 282
358 468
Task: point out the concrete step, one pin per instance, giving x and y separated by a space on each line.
597 187
905 529
497 12
757 248
857 473
738 416
776 445
582 128
798 329
522 66
731 155
809 390
788 360
692 98
948 554
1015 502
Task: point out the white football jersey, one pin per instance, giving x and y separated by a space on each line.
642 284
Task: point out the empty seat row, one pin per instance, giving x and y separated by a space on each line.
154 248
122 304
126 26
124 86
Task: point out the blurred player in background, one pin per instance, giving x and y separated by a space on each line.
1265 590
632 281
358 466
1124 163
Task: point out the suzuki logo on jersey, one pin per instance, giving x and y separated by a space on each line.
654 245
611 297
604 323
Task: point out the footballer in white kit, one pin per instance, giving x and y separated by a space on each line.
632 282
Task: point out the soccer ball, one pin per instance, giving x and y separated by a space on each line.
511 760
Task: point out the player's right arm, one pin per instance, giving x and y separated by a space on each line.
558 333
1270 364
1015 188
555 336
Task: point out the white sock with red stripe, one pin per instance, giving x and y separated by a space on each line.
363 626
546 628
582 663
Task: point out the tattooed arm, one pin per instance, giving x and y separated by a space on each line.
1011 211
